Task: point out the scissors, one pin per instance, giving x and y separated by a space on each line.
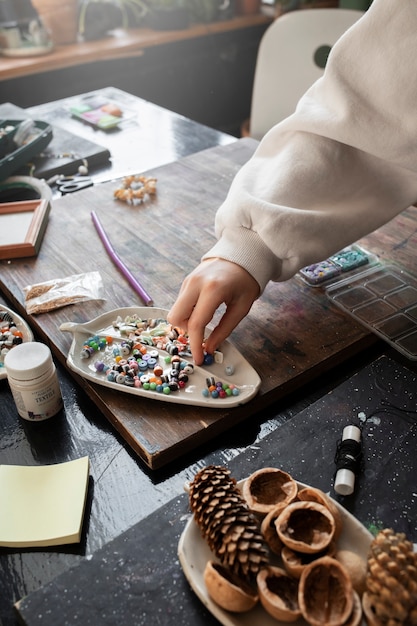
70 184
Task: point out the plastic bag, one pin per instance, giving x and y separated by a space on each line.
53 294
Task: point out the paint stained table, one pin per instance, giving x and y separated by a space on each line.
292 334
137 579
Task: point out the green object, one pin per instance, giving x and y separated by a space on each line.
20 141
320 56
359 5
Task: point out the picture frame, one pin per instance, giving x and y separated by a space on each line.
22 226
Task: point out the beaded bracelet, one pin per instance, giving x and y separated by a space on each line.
135 188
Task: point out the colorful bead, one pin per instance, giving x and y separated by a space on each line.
138 361
208 359
158 371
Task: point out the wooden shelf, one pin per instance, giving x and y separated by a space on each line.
122 43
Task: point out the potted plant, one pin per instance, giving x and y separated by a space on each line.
98 17
205 11
22 30
248 7
60 19
168 14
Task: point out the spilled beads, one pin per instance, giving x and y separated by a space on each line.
10 336
219 389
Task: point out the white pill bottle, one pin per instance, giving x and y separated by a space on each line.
33 381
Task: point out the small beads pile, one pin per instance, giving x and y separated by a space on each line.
10 336
217 389
135 188
135 365
137 362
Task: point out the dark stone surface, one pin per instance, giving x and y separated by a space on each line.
137 579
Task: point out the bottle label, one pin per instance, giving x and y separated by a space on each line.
39 404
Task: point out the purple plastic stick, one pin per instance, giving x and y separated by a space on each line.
119 263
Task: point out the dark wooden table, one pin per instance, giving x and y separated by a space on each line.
125 490
161 241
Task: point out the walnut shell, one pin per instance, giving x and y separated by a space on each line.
312 494
369 610
227 591
355 618
278 593
306 527
269 531
356 567
267 487
325 593
295 562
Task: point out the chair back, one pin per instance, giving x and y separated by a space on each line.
291 57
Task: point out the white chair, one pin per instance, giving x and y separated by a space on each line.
291 57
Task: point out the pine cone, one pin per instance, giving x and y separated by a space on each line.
391 581
230 529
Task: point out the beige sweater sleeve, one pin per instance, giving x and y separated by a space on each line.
342 165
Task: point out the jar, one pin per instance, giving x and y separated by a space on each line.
33 381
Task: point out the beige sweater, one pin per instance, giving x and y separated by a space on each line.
342 165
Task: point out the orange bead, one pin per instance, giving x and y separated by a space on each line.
157 370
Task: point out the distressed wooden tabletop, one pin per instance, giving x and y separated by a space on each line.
292 334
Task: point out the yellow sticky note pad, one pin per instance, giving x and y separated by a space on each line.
43 505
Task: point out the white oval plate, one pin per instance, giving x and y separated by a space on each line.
244 376
24 329
193 553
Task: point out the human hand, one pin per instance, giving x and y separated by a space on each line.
212 283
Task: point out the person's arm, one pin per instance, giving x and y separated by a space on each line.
341 166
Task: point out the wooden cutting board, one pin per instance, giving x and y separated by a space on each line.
292 334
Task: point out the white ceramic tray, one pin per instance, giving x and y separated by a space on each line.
22 326
244 377
193 553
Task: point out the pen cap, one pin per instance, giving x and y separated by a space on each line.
351 432
344 482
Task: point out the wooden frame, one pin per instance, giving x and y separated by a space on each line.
22 226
